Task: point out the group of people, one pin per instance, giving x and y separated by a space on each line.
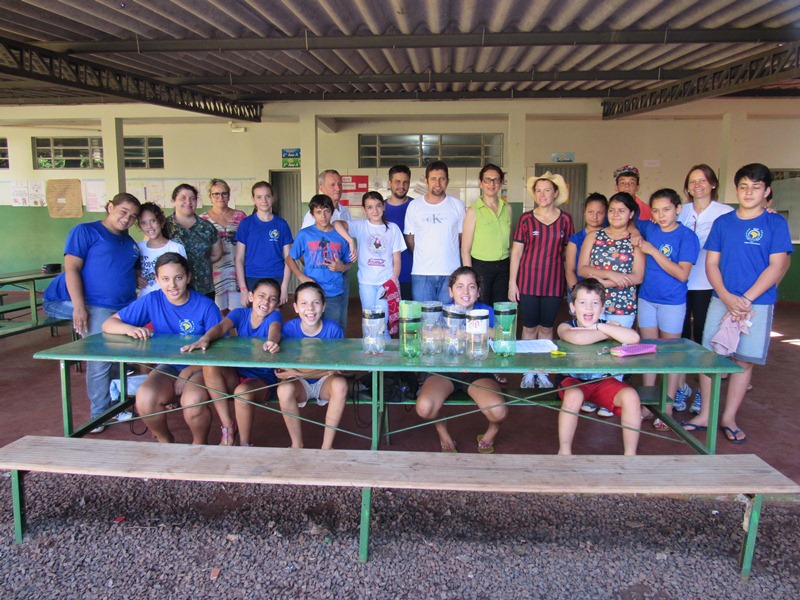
667 263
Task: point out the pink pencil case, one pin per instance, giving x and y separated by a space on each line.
633 349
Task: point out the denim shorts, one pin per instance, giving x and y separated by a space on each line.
624 320
667 317
753 347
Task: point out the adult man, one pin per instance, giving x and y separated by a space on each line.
626 179
396 206
433 233
329 182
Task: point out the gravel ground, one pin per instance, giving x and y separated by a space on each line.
201 540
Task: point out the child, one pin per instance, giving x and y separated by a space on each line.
263 241
747 256
99 279
464 286
594 215
588 327
670 249
153 224
325 255
252 384
297 388
176 310
380 244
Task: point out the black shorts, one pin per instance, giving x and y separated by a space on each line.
539 311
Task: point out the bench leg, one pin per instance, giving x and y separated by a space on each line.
366 508
18 499
750 524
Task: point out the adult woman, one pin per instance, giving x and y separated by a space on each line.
610 256
226 221
98 280
536 278
486 236
700 188
200 238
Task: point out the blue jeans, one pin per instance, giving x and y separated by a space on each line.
427 288
371 296
336 310
98 374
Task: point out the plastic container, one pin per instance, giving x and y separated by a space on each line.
505 328
477 330
410 323
454 320
431 337
373 330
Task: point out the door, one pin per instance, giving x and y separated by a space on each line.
575 175
288 204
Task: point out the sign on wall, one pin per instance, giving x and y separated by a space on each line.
290 158
353 187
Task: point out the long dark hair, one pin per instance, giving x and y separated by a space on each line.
158 213
375 196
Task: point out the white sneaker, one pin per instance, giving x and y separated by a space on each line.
543 380
529 380
123 416
98 429
604 412
588 407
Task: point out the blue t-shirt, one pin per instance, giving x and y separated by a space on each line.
745 246
330 330
578 239
108 272
264 242
241 320
397 215
679 245
194 317
314 247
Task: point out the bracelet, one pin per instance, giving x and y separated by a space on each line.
746 298
243 288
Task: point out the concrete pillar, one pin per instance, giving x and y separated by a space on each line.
515 156
733 153
113 156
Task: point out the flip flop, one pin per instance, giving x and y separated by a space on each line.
450 448
730 435
500 378
693 427
659 425
484 448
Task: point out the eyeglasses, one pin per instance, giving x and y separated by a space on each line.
221 195
490 180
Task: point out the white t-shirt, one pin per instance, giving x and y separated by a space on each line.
339 214
435 228
376 246
701 224
149 256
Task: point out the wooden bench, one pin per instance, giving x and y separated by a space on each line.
367 469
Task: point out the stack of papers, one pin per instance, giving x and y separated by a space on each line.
532 346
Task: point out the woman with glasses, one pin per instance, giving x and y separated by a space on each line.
200 238
226 221
486 236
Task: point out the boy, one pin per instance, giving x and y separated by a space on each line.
588 327
325 255
747 256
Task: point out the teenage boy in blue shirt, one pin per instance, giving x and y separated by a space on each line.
747 256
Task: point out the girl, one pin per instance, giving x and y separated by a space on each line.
464 286
263 242
226 221
486 236
537 263
176 310
671 250
153 224
199 238
296 388
594 215
380 244
610 256
98 280
252 384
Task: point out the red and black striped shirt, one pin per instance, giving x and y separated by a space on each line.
541 268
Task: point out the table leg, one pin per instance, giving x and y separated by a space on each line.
32 290
18 500
377 409
751 517
366 507
713 414
66 397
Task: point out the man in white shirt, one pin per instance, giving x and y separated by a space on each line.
330 184
433 233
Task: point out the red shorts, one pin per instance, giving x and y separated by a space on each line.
602 392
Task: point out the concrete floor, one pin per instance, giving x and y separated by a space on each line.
30 404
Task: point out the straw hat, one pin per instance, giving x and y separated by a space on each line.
562 191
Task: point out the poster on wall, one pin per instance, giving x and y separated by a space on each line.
353 187
95 196
36 195
64 198
19 193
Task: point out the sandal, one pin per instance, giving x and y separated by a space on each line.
659 425
500 378
483 447
228 435
449 448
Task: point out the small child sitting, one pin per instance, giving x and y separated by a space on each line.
589 327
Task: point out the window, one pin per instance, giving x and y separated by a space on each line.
68 153
4 163
417 150
144 153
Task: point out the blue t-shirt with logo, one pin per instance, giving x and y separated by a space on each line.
108 272
330 330
315 247
679 245
241 320
745 246
264 242
194 317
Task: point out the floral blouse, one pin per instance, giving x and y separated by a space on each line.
197 240
615 255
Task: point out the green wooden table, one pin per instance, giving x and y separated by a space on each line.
24 280
673 356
